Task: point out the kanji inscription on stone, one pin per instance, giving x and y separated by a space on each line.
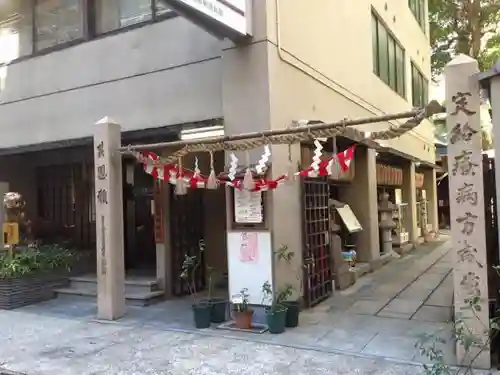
101 172
463 164
102 196
468 254
468 221
467 194
103 247
462 133
461 101
100 150
470 283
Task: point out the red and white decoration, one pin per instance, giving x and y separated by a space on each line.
333 166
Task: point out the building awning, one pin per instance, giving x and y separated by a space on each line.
404 156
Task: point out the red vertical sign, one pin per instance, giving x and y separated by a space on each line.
158 213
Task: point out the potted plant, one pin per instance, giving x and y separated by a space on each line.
202 310
219 305
293 305
242 313
276 311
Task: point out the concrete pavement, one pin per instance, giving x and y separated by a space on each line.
369 329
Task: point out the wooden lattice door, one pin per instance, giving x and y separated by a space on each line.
186 231
316 252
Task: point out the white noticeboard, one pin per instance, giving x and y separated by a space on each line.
350 220
248 207
249 260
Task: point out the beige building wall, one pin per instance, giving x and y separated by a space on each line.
321 54
319 67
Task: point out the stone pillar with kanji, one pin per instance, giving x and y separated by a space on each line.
470 273
109 220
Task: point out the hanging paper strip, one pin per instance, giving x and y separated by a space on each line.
337 164
326 167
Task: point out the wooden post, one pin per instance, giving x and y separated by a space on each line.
470 276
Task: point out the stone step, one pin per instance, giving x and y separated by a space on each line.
134 286
132 299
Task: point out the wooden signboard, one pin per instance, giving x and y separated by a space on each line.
419 180
388 175
158 214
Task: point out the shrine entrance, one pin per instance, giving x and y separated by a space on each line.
186 236
318 284
138 199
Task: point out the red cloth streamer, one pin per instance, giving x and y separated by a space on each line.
344 159
170 172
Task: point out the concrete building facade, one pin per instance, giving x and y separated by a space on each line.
67 64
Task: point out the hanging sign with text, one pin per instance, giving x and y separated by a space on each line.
224 18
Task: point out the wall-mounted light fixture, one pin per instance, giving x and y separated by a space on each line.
202 133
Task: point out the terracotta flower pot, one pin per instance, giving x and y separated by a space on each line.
243 319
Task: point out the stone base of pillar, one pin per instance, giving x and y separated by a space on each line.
382 261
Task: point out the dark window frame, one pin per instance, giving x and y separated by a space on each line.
419 10
88 27
420 92
391 79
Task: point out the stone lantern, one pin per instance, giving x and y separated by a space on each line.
386 223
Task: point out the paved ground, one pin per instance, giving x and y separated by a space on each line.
369 329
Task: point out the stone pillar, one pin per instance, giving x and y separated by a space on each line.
164 250
362 197
109 220
410 197
130 210
386 223
4 189
495 107
470 276
430 187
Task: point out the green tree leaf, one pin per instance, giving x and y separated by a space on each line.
464 26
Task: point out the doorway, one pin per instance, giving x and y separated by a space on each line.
138 198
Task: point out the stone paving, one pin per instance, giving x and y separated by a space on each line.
371 328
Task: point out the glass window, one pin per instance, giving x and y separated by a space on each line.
16 30
422 14
392 63
116 14
388 57
400 71
417 7
420 88
57 22
375 44
383 53
425 91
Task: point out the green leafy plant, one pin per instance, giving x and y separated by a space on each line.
275 299
33 260
243 305
210 274
284 254
472 342
189 267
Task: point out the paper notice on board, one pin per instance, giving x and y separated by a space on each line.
248 207
249 247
